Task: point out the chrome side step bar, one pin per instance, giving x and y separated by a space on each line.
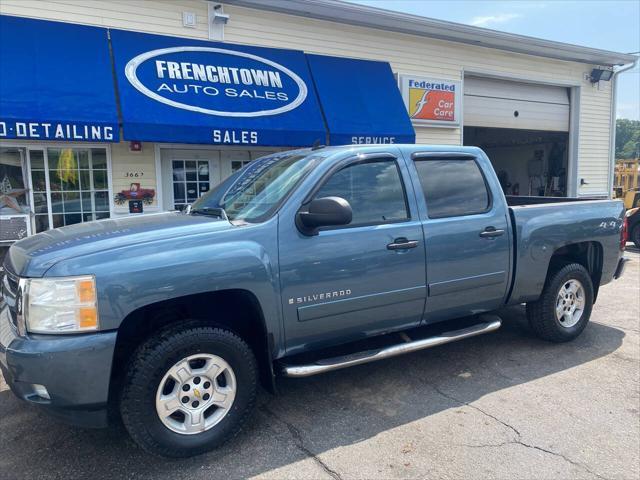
489 324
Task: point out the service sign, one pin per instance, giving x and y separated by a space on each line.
432 101
177 90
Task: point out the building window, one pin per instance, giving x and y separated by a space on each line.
238 164
190 181
13 190
69 185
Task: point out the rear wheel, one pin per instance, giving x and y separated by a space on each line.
188 389
564 308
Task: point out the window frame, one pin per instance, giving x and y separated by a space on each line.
173 181
357 160
26 178
44 148
453 157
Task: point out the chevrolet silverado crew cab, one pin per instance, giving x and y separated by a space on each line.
303 262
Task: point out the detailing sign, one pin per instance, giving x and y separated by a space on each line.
216 81
432 101
58 131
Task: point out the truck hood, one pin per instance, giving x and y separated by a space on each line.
33 256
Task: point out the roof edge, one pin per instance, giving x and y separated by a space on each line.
366 16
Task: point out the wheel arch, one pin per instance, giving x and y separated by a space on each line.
237 310
588 254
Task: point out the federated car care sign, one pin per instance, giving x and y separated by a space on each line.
178 90
431 101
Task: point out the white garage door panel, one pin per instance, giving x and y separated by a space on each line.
492 103
485 87
499 113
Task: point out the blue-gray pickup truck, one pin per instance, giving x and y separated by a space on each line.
303 262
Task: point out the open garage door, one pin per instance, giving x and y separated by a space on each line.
526 106
524 129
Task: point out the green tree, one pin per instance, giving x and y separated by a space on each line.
627 138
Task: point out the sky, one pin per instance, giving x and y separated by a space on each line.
606 24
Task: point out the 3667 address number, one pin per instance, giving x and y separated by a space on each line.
134 174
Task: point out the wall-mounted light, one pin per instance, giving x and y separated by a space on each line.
217 20
219 16
600 74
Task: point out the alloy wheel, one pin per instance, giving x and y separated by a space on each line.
196 394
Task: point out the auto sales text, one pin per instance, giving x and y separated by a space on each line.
220 75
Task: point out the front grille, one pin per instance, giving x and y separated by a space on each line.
11 283
9 290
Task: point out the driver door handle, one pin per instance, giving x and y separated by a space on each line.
491 232
402 243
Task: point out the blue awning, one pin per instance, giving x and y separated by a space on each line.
361 101
188 91
56 82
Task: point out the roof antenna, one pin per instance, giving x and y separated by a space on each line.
317 145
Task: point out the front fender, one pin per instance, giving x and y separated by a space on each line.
129 278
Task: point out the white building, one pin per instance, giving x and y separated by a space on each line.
146 109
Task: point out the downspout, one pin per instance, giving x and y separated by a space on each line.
612 126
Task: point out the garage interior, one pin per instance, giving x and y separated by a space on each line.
524 129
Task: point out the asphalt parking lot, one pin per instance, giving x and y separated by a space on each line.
504 405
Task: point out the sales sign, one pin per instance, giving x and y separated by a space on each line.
189 91
432 101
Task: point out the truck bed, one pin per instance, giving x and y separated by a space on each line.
543 226
518 200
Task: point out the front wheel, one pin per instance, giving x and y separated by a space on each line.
188 389
564 308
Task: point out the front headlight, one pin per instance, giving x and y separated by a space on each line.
61 305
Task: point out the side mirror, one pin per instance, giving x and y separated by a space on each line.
323 212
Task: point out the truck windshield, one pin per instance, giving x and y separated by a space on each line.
255 192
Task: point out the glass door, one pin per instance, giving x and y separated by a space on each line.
191 173
190 179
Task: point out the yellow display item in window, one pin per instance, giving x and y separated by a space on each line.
67 166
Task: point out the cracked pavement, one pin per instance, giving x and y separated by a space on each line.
503 405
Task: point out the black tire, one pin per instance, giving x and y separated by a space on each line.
542 313
635 235
152 361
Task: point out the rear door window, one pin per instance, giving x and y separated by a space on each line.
453 187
